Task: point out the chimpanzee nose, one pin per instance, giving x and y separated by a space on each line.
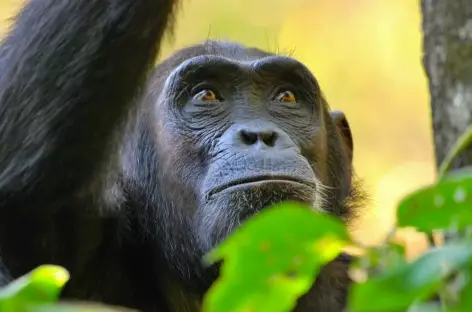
257 135
266 137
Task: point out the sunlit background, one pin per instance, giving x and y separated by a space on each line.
366 55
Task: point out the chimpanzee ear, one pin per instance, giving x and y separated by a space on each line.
343 128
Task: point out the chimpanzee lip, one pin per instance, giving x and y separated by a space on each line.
260 180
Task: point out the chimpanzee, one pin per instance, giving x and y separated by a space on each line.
127 173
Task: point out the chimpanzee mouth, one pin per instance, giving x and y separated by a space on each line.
261 181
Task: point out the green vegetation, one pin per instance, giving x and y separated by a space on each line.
273 259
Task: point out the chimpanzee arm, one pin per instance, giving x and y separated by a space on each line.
68 72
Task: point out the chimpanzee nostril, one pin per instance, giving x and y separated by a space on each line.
248 137
267 138
257 136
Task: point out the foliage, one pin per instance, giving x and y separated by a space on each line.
274 257
439 280
38 291
280 253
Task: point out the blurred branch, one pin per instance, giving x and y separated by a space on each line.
447 44
447 27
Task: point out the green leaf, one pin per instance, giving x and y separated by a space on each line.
464 299
426 307
460 145
440 206
75 307
273 258
42 285
397 289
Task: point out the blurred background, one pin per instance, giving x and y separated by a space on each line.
366 55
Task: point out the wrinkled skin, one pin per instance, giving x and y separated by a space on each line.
222 161
127 176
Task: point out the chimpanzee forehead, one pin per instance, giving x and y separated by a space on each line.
221 68
229 50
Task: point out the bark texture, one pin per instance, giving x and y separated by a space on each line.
447 28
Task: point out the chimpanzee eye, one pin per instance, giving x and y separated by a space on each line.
206 95
286 97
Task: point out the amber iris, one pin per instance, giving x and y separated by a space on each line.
206 95
287 97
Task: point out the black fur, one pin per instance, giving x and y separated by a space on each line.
109 168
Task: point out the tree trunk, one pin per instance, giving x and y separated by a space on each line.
447 27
